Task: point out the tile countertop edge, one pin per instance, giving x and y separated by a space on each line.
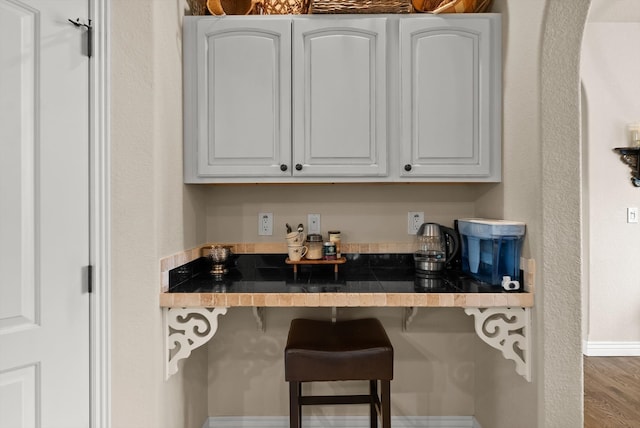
434 300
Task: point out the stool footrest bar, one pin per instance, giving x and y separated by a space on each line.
336 399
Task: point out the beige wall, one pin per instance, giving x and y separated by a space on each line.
363 213
610 69
501 395
558 325
154 215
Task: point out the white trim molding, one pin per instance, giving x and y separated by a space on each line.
341 422
612 349
100 218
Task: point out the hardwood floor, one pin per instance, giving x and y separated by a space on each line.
611 392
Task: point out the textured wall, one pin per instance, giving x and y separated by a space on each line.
153 214
558 343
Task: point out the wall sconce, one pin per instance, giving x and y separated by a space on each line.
631 155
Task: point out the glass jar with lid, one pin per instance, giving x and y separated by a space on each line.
314 245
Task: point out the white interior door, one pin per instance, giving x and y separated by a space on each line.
44 215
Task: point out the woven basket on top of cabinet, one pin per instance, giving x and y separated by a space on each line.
451 6
283 7
360 6
259 7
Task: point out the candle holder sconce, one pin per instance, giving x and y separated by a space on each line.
631 157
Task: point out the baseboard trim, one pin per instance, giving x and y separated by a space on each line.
612 349
341 422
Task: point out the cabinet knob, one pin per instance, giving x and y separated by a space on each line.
298 167
283 167
407 167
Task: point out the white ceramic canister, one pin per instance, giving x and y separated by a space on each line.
314 244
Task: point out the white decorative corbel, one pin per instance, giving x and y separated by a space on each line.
185 330
509 331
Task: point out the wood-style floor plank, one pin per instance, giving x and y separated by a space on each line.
611 392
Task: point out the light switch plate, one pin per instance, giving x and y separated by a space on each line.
632 215
313 223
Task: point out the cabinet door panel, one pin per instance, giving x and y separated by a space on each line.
242 97
444 99
340 97
449 96
241 91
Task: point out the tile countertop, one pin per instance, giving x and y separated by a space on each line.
366 280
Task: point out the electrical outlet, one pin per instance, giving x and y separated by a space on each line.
415 220
313 223
632 215
265 224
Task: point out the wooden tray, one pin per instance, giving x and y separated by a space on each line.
303 261
335 263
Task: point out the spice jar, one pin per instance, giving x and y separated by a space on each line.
314 245
329 251
334 236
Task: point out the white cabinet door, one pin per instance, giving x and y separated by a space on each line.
450 98
237 84
339 97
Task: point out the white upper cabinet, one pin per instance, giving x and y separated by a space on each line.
339 97
237 83
342 98
451 98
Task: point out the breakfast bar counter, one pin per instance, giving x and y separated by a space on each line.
264 280
192 298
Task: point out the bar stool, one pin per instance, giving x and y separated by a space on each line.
320 351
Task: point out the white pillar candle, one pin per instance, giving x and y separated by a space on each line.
634 135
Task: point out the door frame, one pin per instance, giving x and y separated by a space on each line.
100 219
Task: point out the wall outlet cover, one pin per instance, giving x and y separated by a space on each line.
265 224
414 221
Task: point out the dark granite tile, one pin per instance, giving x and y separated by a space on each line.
269 260
355 260
188 271
391 260
363 273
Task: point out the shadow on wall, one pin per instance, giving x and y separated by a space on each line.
434 363
194 388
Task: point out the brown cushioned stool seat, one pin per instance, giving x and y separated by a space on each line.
339 351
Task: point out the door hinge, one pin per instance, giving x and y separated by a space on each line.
89 28
90 279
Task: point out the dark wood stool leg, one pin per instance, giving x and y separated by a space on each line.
299 405
373 392
295 415
386 403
